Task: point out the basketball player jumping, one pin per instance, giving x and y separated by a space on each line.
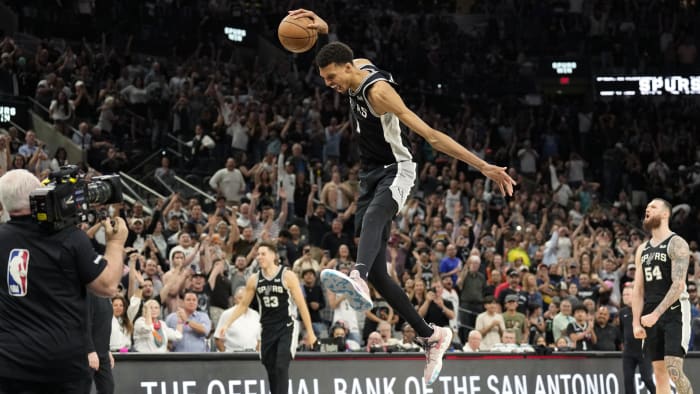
279 295
388 174
660 306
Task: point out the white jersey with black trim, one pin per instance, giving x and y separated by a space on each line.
381 139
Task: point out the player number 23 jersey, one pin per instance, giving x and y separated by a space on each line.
275 301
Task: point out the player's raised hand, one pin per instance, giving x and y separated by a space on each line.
500 177
317 23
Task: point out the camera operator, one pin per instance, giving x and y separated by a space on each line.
43 299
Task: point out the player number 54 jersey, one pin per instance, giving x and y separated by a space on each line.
656 267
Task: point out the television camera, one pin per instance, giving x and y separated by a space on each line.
67 199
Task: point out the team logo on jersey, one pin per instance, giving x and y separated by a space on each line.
17 269
647 258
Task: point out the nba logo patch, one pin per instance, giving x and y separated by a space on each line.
17 268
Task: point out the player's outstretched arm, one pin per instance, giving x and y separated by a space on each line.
292 283
384 98
243 305
679 252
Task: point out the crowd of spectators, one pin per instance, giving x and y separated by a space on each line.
546 270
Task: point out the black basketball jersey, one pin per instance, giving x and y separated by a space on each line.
381 140
276 304
656 266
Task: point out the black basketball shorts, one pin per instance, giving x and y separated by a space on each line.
388 186
671 333
278 345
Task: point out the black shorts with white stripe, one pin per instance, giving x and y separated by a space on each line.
671 333
388 186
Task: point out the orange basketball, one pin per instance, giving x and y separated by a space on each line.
295 36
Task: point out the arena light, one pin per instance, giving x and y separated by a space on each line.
7 113
564 68
235 34
656 85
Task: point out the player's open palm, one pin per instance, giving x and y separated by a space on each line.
500 177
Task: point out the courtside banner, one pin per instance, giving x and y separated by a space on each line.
322 373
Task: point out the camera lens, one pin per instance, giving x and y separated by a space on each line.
104 190
99 192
